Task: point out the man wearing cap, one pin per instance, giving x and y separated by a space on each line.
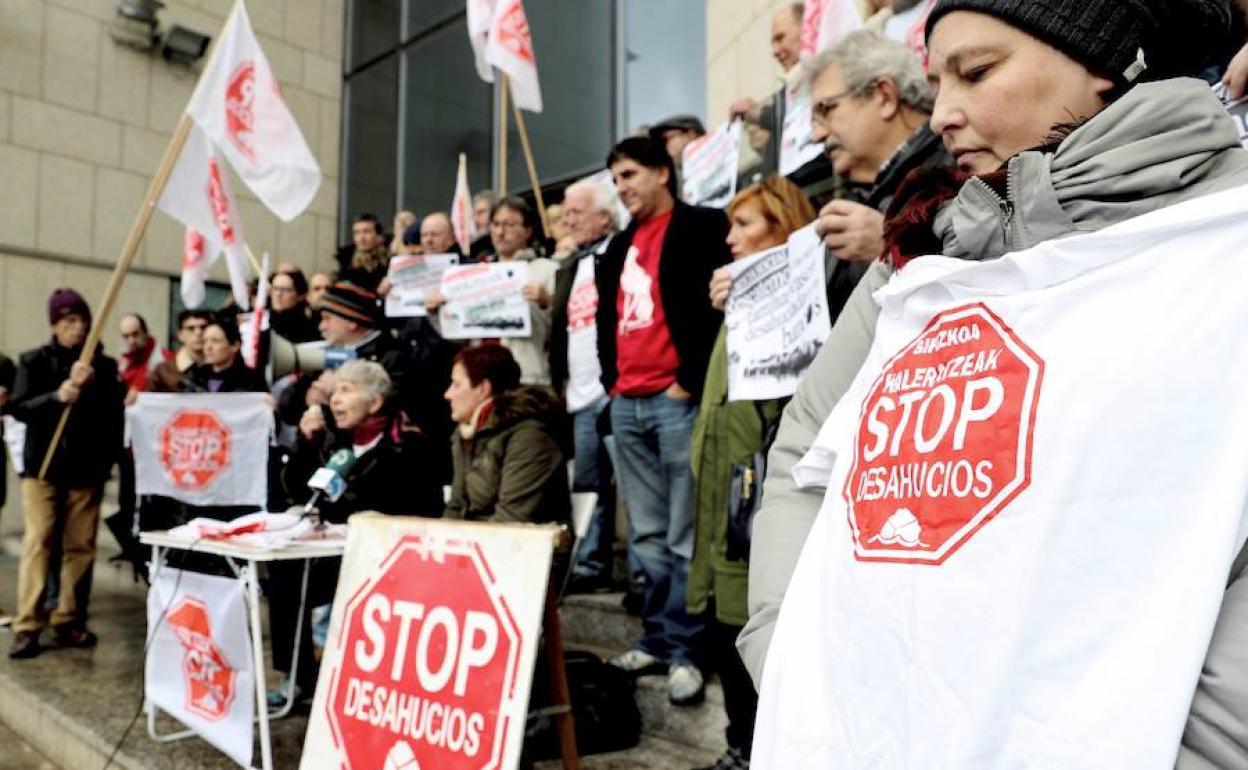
50 378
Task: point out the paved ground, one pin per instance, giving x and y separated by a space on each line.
18 755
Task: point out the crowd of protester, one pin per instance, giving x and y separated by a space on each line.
624 374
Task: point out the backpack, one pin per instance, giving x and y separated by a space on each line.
603 708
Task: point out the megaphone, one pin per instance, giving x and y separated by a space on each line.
287 358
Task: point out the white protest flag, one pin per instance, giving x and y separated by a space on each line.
824 22
463 223
199 660
198 195
1007 540
202 448
480 16
510 48
239 105
256 323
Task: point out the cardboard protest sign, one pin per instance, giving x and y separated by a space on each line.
777 318
202 448
412 278
709 167
485 300
432 641
199 663
1007 482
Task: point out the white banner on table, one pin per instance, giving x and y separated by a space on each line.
709 167
796 148
202 448
199 661
432 641
485 300
777 318
412 278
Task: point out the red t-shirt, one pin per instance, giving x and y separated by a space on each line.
646 359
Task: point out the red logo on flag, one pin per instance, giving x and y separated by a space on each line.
944 440
209 676
193 247
220 202
430 654
240 100
194 448
513 32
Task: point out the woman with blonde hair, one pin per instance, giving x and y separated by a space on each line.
726 437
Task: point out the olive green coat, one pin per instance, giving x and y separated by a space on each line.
514 468
724 434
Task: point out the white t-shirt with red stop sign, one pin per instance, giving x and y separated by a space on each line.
1035 489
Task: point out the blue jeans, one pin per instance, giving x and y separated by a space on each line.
652 437
592 473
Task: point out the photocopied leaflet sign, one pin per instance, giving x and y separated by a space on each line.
431 646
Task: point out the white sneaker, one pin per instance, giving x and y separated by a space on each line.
638 662
685 686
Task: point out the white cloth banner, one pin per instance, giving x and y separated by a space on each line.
825 22
202 448
1008 569
463 221
510 48
480 15
198 195
709 167
239 105
485 300
776 318
412 278
199 662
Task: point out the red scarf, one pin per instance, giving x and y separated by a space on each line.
368 431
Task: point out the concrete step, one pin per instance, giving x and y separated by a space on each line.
651 754
599 620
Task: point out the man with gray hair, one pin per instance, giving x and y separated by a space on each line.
870 106
590 212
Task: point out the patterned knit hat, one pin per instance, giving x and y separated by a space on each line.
63 302
1126 40
354 304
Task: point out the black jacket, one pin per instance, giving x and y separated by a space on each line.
391 477
692 250
558 344
91 443
296 324
239 378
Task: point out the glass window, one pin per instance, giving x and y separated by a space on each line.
665 73
423 14
372 147
372 29
446 111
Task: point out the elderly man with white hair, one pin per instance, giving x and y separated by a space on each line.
590 212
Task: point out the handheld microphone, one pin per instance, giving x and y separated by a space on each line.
329 481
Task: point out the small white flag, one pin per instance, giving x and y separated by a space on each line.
198 195
239 105
462 221
480 15
510 48
255 324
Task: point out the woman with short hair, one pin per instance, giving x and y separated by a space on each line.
223 369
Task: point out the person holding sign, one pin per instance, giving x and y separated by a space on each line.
508 457
1078 130
511 232
727 436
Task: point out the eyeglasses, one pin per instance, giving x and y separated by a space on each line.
821 110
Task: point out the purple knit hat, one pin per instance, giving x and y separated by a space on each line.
66 301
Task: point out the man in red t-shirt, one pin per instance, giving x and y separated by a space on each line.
656 329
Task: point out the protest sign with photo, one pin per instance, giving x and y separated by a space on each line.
412 278
199 660
202 448
431 645
485 300
709 167
777 318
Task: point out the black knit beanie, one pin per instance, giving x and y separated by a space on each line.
1126 40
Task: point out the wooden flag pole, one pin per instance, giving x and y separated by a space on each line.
502 137
528 160
137 230
255 263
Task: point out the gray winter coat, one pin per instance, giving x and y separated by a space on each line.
1158 145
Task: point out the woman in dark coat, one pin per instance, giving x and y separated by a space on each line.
223 370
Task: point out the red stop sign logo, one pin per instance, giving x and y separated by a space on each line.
209 676
194 448
944 439
240 100
430 653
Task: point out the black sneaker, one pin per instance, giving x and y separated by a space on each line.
634 600
25 645
587 584
72 637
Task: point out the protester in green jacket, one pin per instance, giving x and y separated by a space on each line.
508 454
726 437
